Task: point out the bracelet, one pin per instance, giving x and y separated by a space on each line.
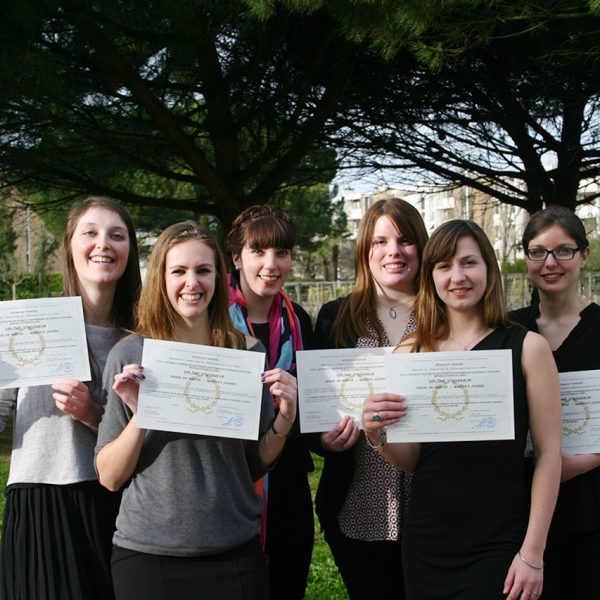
536 567
378 447
275 432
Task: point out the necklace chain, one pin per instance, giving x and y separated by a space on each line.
472 342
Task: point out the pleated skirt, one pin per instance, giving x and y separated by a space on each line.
56 542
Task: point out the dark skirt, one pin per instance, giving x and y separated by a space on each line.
56 542
237 574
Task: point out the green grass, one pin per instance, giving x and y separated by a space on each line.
324 581
5 446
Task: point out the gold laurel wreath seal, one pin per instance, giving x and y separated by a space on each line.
345 401
19 359
194 406
447 414
586 419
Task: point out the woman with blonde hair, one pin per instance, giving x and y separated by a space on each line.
58 520
361 500
189 519
474 529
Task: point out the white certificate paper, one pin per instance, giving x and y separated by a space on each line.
580 396
453 396
42 341
334 383
201 390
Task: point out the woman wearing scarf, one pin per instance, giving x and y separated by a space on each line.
260 242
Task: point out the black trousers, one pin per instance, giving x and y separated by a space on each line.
290 532
369 569
238 574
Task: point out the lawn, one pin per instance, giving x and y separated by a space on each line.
324 582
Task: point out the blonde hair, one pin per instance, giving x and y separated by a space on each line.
156 317
358 309
430 311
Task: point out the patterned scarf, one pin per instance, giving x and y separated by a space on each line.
285 336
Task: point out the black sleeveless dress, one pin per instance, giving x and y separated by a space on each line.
470 505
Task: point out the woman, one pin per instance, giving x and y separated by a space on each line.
189 518
261 242
58 520
361 500
557 248
474 530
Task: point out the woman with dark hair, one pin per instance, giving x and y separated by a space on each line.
189 520
556 247
361 499
261 242
58 520
474 529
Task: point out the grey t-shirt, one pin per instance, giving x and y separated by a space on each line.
49 447
189 494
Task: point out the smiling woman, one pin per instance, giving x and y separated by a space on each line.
475 528
190 280
189 519
557 248
58 521
261 242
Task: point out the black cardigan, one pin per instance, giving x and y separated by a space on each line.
338 467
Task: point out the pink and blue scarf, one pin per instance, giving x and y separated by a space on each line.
285 335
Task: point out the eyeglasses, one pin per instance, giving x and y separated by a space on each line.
561 253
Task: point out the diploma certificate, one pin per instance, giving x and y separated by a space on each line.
201 390
334 383
42 341
453 396
580 396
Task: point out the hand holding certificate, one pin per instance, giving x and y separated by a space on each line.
453 396
42 341
334 383
202 390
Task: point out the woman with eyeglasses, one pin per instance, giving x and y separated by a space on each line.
557 248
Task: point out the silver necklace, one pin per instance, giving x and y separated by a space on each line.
468 346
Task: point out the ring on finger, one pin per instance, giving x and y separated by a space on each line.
377 416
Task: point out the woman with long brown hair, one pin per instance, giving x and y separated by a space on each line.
475 529
361 500
58 520
189 520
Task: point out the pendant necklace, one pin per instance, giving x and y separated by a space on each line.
393 314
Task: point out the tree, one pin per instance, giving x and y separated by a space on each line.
505 99
193 92
511 120
8 245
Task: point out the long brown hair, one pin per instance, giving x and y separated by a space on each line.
129 284
358 309
156 317
430 311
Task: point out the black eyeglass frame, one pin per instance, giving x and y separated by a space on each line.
573 251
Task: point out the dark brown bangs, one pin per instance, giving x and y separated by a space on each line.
270 232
